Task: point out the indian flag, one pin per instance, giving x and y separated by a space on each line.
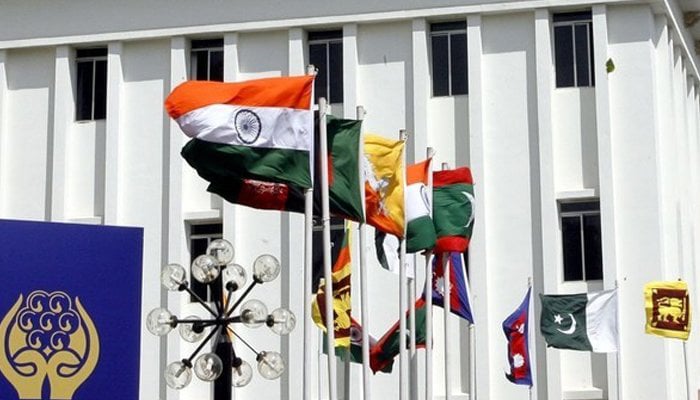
259 129
420 231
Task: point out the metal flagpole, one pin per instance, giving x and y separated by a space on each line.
327 272
360 111
617 353
446 305
403 354
308 277
685 363
429 303
413 378
472 342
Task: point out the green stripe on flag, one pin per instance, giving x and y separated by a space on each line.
420 234
216 161
345 191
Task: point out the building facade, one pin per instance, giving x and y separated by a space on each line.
579 120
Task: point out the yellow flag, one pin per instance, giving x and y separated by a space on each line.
384 184
342 303
667 307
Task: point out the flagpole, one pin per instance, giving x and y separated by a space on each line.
429 302
308 278
529 288
446 300
685 363
327 271
472 343
403 356
617 353
364 302
412 332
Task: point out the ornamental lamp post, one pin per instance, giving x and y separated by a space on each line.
222 365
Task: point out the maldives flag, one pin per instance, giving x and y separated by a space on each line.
459 289
453 209
515 328
260 129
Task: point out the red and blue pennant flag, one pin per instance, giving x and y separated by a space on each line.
515 328
459 290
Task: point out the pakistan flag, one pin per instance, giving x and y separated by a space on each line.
586 321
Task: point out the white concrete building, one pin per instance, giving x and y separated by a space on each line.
560 149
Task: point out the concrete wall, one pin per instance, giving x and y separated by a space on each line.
632 141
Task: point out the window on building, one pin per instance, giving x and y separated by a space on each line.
573 49
326 54
200 237
207 60
448 44
91 85
581 240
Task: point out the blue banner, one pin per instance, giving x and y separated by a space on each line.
70 311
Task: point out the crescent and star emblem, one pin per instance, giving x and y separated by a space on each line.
558 319
470 199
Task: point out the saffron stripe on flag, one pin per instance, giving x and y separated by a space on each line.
285 92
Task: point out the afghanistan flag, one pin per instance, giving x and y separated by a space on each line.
260 129
459 289
344 182
667 307
453 209
586 321
342 303
515 327
387 348
384 181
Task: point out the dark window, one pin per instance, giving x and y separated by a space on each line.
448 41
573 49
91 84
326 54
207 60
581 241
200 237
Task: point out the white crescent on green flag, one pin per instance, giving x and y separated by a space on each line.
586 321
260 129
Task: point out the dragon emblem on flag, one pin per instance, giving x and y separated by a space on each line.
48 336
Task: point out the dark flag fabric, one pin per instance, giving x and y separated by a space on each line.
459 289
387 348
515 327
585 321
453 209
344 182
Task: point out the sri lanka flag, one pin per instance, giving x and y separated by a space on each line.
515 328
459 289
453 209
260 129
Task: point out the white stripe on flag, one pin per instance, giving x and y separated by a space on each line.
417 201
601 321
265 127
